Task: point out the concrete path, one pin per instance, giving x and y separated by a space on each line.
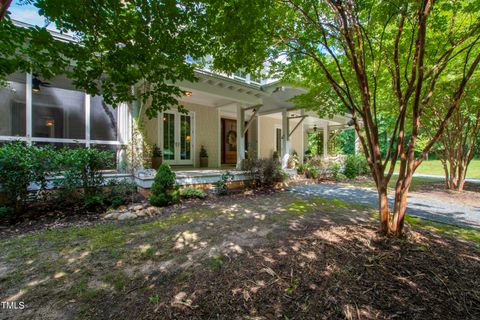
431 209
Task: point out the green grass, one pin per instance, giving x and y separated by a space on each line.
445 229
434 167
417 183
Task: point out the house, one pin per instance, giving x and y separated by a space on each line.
232 116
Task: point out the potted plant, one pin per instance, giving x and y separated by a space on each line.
293 160
203 157
156 157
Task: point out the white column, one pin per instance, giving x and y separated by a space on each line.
325 141
285 139
357 142
28 103
240 136
87 119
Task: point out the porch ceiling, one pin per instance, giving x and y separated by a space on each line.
215 90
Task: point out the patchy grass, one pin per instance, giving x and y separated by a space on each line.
446 229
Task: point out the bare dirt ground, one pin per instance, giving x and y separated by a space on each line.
266 256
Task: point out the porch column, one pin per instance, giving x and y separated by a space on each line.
285 139
325 140
357 142
240 136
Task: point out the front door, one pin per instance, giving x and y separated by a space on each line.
176 137
229 141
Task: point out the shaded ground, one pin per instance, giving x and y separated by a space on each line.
273 256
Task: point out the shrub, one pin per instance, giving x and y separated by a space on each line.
301 168
222 185
120 192
266 172
355 165
189 193
82 170
20 166
312 172
164 189
335 169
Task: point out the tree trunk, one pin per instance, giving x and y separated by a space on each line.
383 210
396 225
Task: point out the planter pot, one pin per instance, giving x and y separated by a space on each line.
203 162
156 162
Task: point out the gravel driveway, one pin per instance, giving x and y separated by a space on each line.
427 208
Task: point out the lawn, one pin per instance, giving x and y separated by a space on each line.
265 256
434 167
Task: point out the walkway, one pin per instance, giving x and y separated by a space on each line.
431 209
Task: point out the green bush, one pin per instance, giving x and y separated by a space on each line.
266 172
20 166
81 171
189 193
355 165
222 185
335 169
301 168
164 189
312 172
120 192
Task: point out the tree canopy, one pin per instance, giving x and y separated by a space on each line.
117 44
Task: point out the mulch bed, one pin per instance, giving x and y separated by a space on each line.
343 272
56 215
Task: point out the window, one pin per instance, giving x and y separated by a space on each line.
103 120
278 141
58 113
60 116
12 110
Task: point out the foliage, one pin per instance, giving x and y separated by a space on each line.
355 165
164 189
115 46
335 170
82 171
265 172
189 193
311 171
222 185
156 152
120 191
345 141
20 166
203 152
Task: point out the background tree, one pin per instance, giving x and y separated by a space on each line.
376 57
459 143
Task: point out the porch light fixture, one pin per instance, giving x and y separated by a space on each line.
36 84
188 93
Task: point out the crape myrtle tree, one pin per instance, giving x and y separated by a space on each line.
378 58
117 44
459 142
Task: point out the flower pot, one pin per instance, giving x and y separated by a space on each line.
156 162
203 162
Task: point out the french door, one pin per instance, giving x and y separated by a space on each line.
177 138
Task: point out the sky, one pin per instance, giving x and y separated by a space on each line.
25 13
